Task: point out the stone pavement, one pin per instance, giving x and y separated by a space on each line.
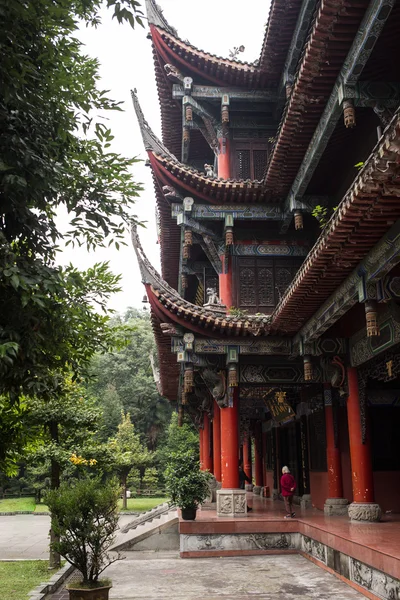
164 576
26 536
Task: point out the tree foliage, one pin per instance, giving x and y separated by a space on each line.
55 152
85 518
55 155
127 375
127 452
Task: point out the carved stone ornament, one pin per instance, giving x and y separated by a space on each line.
169 329
212 298
209 171
365 512
173 73
231 503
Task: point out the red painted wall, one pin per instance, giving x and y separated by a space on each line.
318 488
387 490
270 480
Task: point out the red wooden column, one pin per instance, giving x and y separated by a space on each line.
247 466
264 456
225 282
207 458
217 441
335 484
335 504
201 444
258 464
363 507
224 171
230 444
224 157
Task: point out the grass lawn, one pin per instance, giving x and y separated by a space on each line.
18 578
15 504
140 504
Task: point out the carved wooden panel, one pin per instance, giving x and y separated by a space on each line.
243 167
265 287
259 283
249 159
260 163
247 289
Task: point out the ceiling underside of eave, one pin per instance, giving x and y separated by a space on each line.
330 40
368 210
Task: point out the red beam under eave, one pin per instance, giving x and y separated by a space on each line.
168 179
170 57
160 308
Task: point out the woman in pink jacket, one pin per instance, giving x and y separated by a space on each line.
288 485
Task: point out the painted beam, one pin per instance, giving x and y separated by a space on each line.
207 92
218 212
253 212
375 266
364 42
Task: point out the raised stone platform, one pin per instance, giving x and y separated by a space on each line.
366 556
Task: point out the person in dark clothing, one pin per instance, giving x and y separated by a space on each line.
243 477
288 486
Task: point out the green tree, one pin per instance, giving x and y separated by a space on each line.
178 439
85 520
129 372
55 153
111 408
67 422
127 452
150 479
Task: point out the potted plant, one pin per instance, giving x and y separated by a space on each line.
186 485
85 518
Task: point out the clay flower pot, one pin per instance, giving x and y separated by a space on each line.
99 593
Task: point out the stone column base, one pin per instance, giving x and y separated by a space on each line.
248 487
367 512
274 494
257 489
336 506
231 503
305 501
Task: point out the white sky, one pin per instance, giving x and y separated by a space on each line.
126 62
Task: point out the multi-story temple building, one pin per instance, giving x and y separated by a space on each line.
277 314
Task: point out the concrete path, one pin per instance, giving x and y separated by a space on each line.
285 577
26 536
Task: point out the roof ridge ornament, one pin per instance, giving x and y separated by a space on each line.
150 140
155 16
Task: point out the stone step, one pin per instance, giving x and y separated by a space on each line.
160 533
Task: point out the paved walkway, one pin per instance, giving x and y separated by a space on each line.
26 536
144 576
